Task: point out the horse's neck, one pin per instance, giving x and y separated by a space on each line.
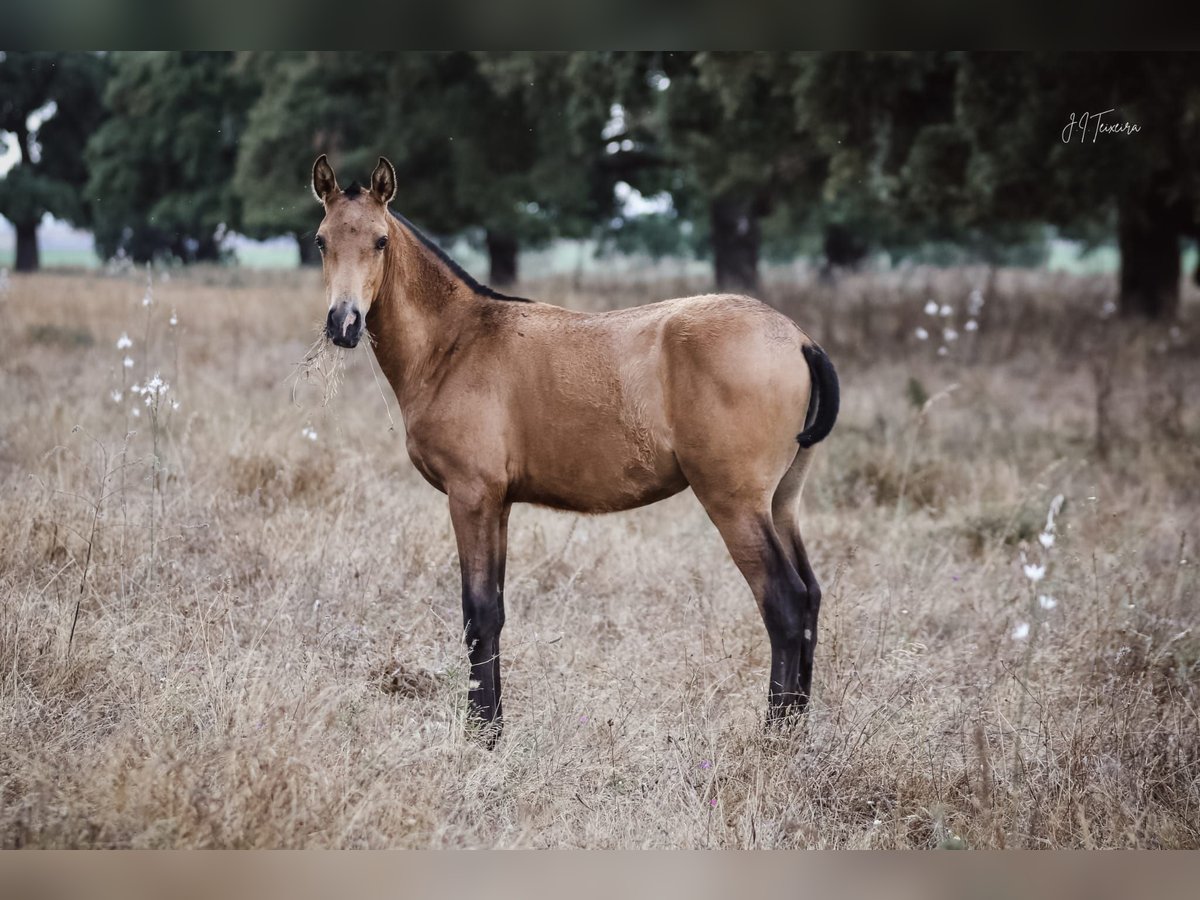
417 317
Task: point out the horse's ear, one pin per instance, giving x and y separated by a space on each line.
383 181
324 182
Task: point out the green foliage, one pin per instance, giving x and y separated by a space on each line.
50 174
941 157
1015 108
918 396
161 166
483 142
657 235
970 147
308 104
26 194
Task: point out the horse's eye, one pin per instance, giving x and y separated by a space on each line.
320 243
381 243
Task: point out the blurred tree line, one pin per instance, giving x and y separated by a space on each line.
837 156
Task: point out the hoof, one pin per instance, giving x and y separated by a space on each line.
484 732
780 718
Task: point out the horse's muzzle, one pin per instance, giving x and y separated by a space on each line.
345 325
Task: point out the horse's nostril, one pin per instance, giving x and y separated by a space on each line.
344 325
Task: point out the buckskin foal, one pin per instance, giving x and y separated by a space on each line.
510 401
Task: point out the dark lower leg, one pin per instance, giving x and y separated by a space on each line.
789 606
788 692
812 611
783 599
484 695
783 602
478 527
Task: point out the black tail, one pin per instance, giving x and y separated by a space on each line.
823 400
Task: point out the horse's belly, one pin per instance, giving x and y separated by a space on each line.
594 483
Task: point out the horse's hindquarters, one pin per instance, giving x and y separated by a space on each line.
737 395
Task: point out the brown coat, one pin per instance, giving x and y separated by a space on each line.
510 401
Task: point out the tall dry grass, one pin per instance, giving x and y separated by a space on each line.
278 663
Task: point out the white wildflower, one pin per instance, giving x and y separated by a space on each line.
1046 539
950 335
1021 631
942 351
174 404
123 342
931 308
1108 310
309 432
174 320
128 362
946 311
971 325
975 302
136 411
154 390
147 299
921 334
1046 602
1035 573
117 396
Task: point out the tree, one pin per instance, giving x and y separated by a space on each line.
308 104
551 110
49 104
983 143
162 163
729 125
1148 180
483 144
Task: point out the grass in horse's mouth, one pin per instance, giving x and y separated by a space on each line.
323 364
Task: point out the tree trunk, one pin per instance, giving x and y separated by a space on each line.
502 258
309 254
27 247
735 242
208 249
1151 260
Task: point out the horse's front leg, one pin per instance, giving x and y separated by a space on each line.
480 516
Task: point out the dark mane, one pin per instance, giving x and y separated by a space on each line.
459 272
353 191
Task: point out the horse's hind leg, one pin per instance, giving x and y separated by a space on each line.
785 513
749 532
736 410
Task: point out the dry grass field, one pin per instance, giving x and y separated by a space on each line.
231 619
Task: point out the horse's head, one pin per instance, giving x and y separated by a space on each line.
353 239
